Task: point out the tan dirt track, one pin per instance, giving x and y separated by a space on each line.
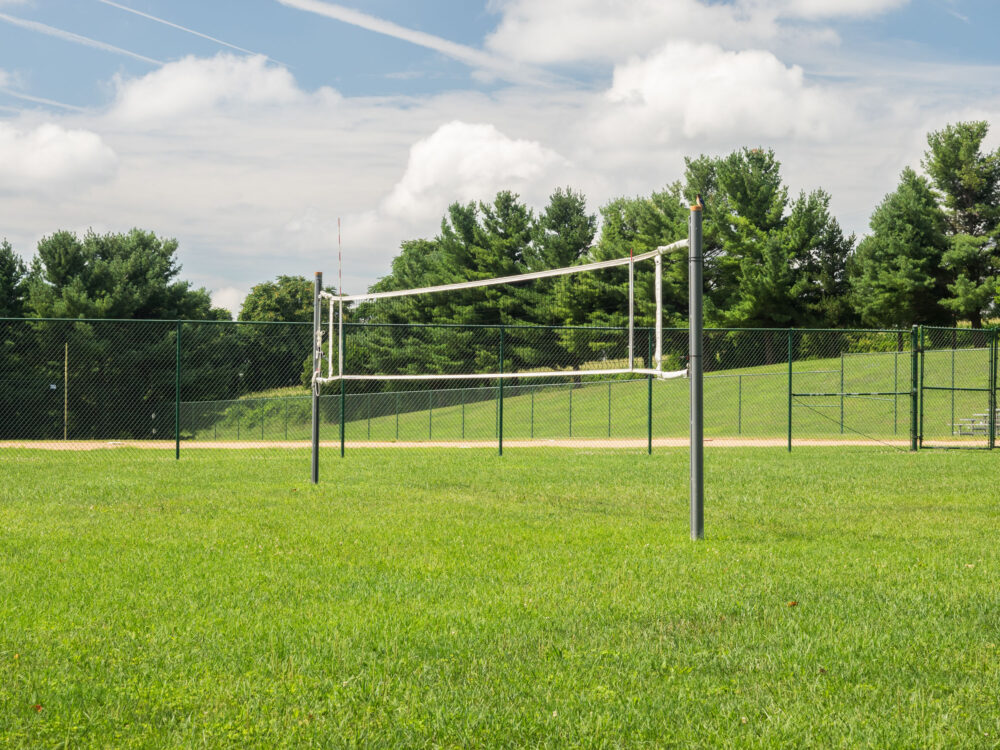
91 445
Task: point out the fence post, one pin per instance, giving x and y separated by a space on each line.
609 409
571 408
430 413
649 398
954 346
923 357
993 389
842 393
66 390
462 391
532 420
895 391
177 397
790 344
397 415
739 404
500 403
914 384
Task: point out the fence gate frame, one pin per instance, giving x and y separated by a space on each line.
990 419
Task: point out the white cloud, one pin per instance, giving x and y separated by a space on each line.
192 85
574 31
694 91
229 298
567 31
461 162
49 157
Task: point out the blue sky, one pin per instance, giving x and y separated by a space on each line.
383 112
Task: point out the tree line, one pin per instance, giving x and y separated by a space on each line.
773 259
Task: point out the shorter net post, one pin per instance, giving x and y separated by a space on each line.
631 311
658 360
500 404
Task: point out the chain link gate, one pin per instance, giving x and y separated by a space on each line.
958 388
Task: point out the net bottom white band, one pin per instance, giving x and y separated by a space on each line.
507 375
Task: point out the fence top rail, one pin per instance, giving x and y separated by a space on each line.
509 326
984 329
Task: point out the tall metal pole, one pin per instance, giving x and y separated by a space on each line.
317 364
177 397
695 370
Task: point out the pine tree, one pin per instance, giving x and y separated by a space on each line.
896 275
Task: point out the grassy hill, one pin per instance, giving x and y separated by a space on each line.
747 402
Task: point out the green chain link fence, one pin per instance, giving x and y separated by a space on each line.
180 385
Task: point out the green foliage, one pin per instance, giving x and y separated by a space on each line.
12 276
281 357
131 275
768 263
286 299
897 275
969 181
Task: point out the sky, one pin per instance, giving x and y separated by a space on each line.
246 128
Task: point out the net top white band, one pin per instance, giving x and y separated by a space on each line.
613 263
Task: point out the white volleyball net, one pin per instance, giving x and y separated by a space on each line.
601 319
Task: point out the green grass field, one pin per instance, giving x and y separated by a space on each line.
552 598
739 403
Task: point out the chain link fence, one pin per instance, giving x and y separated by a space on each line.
176 386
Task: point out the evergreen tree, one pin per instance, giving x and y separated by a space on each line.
12 278
896 275
969 181
131 275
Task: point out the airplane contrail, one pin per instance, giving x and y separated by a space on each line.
39 100
69 36
461 52
173 25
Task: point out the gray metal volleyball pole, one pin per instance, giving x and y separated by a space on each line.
695 369
317 366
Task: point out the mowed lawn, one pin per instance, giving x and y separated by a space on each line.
843 598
